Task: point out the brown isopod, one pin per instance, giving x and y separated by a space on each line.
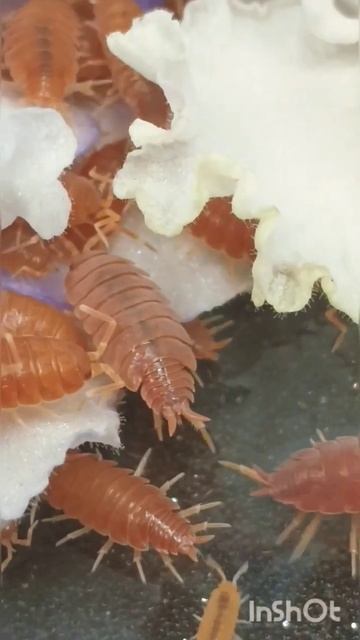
221 612
323 480
139 342
40 50
223 231
145 98
123 506
23 316
38 369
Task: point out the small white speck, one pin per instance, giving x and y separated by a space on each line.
203 600
286 624
354 625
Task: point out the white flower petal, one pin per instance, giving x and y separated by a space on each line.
193 277
266 112
30 451
36 146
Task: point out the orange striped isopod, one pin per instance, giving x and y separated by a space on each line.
139 341
125 508
39 369
223 231
145 98
323 480
41 49
23 316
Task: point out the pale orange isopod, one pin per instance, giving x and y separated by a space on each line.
145 98
41 49
38 369
221 612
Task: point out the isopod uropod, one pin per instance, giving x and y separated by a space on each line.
323 480
138 339
123 506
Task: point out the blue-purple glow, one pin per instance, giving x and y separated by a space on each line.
49 289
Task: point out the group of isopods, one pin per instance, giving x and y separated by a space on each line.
120 324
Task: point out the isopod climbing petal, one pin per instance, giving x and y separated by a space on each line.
323 480
137 336
145 98
223 231
41 49
124 507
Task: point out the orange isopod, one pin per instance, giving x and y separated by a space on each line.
126 508
145 98
23 316
221 612
38 369
41 49
223 231
138 338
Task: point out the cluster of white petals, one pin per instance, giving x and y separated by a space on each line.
268 112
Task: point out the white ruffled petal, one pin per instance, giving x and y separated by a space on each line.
30 451
264 111
36 146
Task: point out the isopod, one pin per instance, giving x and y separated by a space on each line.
145 98
323 480
125 508
222 230
23 316
137 336
41 49
38 369
221 612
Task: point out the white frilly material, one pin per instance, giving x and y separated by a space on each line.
267 112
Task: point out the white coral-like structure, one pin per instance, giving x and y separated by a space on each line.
265 111
37 441
36 146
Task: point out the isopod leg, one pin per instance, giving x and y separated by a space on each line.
109 331
26 542
73 535
142 464
196 508
137 561
101 553
294 524
332 317
169 483
169 565
354 546
10 554
306 538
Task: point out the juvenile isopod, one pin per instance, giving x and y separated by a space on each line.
221 612
223 231
41 49
323 480
23 316
145 98
125 508
139 342
38 369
